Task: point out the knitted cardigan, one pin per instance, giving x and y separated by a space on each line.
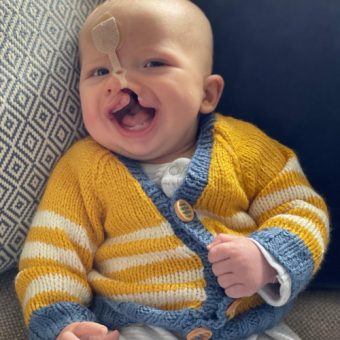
106 244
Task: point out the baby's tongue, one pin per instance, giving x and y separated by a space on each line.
138 119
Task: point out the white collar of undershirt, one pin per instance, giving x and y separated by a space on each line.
168 176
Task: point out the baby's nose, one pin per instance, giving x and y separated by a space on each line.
116 82
112 85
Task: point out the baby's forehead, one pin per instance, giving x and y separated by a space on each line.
171 16
152 20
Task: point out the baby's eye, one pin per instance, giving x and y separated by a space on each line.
154 63
100 71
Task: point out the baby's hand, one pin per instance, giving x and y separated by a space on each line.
87 331
239 265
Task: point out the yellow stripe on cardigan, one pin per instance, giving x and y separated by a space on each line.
140 247
56 238
44 299
216 227
115 288
239 221
43 262
182 276
153 272
168 300
319 203
147 233
134 262
157 295
283 182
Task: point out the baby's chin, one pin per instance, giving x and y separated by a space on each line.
142 156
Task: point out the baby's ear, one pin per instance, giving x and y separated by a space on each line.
213 87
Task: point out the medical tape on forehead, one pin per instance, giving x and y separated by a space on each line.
106 39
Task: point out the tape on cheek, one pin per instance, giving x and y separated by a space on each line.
106 39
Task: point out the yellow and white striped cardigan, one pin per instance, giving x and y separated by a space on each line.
103 228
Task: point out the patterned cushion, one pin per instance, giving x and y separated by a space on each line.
39 106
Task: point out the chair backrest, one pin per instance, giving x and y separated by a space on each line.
281 64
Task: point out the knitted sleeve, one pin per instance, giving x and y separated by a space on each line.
58 253
292 218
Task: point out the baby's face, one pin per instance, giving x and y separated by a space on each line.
152 114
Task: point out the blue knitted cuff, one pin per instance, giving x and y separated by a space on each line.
46 323
291 252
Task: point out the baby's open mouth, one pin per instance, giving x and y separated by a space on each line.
133 116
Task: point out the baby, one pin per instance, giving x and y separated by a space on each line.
168 221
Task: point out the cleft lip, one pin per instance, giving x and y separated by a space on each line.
132 108
129 108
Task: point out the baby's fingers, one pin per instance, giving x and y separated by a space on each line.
90 329
67 336
219 252
109 336
114 335
82 330
221 238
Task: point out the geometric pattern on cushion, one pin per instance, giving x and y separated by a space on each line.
39 106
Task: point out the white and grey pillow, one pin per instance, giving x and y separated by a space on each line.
39 106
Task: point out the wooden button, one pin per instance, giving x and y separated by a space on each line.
199 333
231 311
184 210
